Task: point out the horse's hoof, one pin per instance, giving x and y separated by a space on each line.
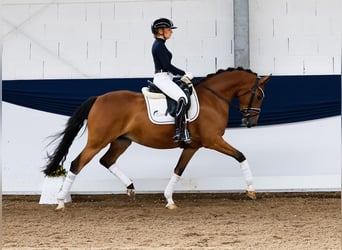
131 194
61 210
60 207
251 194
171 206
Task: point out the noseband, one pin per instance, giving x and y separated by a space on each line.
246 112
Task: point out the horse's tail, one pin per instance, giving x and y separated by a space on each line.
74 125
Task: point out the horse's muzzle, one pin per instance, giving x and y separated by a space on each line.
250 121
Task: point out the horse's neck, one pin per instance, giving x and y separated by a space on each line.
226 84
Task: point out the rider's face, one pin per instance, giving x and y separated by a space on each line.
167 33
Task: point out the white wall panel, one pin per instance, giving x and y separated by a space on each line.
142 67
68 31
187 47
92 12
110 67
8 70
107 11
57 30
217 47
33 28
277 7
267 46
304 8
115 30
128 10
29 69
73 49
90 31
56 69
18 49
285 64
280 32
303 46
326 10
326 47
291 33
196 63
71 13
45 50
90 68
266 64
318 64
207 29
47 12
15 14
155 9
95 49
129 49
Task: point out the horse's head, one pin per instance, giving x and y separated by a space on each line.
251 100
241 83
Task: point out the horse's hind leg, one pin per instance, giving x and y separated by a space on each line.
76 166
116 148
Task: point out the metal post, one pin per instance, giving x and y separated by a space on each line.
241 33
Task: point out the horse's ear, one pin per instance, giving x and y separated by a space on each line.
264 79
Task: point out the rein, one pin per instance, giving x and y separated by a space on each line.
216 94
249 107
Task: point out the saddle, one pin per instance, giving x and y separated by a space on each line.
162 109
172 104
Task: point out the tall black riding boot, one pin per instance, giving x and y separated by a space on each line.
182 134
179 120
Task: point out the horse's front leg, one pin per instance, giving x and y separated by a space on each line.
220 145
184 159
247 173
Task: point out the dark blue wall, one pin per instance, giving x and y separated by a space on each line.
288 98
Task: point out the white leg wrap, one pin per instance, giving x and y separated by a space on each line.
65 189
247 173
170 188
118 173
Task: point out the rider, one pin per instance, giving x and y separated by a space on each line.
164 72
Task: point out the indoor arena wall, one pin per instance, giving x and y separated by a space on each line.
78 48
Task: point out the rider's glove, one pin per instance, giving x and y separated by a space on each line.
187 78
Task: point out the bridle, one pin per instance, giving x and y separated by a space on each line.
246 112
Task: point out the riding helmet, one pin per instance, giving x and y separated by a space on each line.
162 23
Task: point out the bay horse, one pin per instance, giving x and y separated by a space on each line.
120 117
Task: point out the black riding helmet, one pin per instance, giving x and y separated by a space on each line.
162 23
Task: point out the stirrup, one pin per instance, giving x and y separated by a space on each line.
177 137
182 136
187 138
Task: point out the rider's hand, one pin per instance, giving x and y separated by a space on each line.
187 78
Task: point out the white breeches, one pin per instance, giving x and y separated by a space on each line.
164 82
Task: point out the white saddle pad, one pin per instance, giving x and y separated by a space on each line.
157 106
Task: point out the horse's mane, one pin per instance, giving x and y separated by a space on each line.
227 70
